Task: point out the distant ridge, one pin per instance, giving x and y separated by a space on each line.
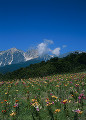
65 54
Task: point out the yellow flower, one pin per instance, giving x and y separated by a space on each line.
33 104
54 96
69 101
16 90
57 110
49 104
13 114
64 101
80 112
57 85
34 100
45 82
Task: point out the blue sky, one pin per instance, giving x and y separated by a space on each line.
26 23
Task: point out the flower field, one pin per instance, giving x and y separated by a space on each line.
57 97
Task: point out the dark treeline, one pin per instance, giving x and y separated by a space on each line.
75 62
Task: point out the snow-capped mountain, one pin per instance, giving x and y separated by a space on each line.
13 56
30 54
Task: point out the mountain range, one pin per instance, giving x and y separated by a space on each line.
13 59
13 56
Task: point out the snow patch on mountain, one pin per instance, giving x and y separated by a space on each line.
11 61
0 63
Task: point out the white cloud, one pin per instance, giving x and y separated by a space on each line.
46 41
56 51
43 48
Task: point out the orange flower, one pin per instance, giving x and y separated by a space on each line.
57 110
16 101
5 100
14 106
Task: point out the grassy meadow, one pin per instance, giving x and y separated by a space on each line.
55 97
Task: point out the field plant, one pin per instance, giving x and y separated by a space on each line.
55 97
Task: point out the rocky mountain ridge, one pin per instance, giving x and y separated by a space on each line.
14 56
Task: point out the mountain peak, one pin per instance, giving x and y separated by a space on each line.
14 49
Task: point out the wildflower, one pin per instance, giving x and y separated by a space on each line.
16 83
78 111
47 98
51 94
8 103
64 101
5 100
54 96
13 113
59 98
57 110
24 83
48 104
65 84
69 101
37 109
81 96
16 90
16 101
3 111
1 102
15 105
45 82
76 85
34 100
1 83
52 102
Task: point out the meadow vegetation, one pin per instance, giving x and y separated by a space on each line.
55 97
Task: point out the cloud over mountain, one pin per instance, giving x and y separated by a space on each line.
43 48
56 51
